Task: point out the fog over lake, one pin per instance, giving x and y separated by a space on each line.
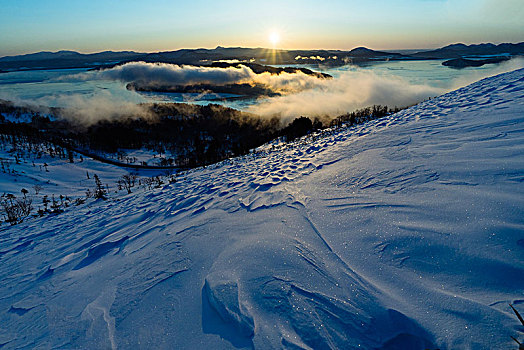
47 87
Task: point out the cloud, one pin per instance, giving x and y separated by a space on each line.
362 88
350 91
85 109
302 94
286 83
164 74
168 74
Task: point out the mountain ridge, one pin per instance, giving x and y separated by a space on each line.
459 50
204 56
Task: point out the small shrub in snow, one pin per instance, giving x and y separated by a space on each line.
15 209
100 191
55 205
37 189
79 201
127 182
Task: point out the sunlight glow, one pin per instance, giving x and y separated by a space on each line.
274 38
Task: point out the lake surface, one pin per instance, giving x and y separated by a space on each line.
48 87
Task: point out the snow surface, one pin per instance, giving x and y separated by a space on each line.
58 176
403 233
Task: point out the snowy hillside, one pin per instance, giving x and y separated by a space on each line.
402 233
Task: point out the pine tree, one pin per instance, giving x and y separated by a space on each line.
100 191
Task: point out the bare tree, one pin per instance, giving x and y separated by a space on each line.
9 208
127 181
14 209
37 189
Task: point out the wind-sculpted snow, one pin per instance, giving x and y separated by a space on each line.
314 301
404 233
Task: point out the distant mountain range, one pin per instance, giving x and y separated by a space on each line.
72 59
268 56
46 55
65 59
461 51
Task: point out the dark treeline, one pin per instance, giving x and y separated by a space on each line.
303 126
185 135
363 115
7 107
188 135
193 135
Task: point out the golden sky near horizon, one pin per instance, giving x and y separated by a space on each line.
160 25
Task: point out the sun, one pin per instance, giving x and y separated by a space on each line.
274 38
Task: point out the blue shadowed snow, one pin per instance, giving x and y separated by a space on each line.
403 233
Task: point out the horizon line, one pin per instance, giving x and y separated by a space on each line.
246 47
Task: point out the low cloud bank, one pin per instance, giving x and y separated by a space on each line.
362 88
350 91
163 74
88 110
302 94
84 109
170 74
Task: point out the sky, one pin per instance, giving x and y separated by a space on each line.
161 25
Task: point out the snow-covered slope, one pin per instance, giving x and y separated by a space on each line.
404 233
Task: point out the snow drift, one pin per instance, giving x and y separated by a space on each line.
404 233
